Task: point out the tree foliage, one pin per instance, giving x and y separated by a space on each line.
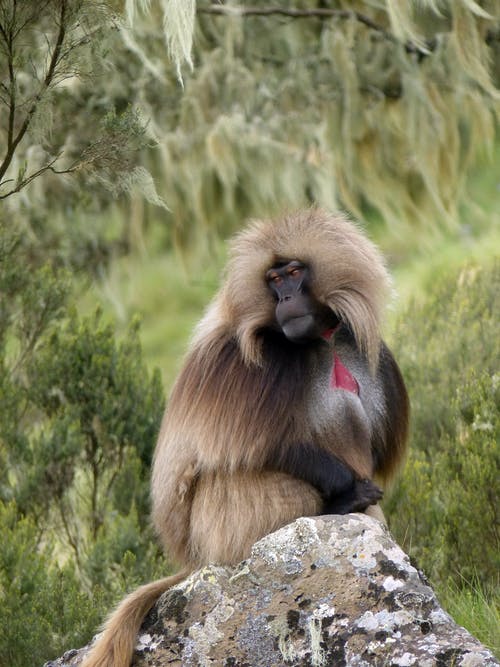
377 108
374 107
52 52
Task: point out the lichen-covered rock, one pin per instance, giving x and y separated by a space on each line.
332 590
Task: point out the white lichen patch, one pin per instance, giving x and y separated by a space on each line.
365 535
206 634
147 642
210 575
398 556
384 620
391 584
323 611
362 548
289 543
405 660
430 644
439 616
373 647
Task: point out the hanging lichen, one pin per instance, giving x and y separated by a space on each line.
376 107
363 106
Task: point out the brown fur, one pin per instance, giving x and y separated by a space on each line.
116 645
246 393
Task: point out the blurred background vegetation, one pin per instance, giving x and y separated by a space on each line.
134 138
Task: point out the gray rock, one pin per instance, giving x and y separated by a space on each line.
332 590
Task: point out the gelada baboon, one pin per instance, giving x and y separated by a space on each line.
288 404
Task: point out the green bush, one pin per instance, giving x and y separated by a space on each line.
79 414
43 609
444 510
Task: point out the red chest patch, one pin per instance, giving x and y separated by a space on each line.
341 378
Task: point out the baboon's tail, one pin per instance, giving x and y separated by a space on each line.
115 647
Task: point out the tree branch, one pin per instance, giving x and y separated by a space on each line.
69 536
12 95
13 142
96 519
291 12
48 167
322 13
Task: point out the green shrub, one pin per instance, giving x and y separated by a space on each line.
79 414
43 609
444 510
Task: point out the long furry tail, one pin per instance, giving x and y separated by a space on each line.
115 647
